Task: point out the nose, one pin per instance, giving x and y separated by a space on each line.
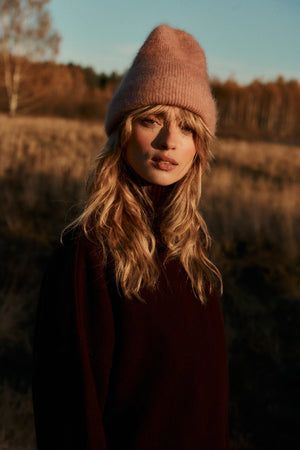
167 137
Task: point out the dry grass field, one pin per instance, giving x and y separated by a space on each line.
251 202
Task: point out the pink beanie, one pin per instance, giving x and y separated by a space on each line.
169 69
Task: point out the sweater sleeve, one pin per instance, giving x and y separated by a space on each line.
73 349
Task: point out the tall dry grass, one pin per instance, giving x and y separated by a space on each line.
251 202
43 166
252 195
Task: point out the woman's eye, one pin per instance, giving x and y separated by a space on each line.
187 129
150 120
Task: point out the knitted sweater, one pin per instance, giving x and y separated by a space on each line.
112 373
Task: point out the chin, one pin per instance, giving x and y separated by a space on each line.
164 183
161 181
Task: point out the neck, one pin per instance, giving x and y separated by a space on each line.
157 193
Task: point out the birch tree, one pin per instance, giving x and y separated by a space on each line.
26 35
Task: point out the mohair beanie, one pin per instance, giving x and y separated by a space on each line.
169 69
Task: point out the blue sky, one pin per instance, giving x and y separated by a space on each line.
243 39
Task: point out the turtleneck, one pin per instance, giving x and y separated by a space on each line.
159 194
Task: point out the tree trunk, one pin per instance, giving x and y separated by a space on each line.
12 84
13 104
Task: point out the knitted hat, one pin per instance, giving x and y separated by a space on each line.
169 69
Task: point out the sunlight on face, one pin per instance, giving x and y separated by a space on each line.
161 149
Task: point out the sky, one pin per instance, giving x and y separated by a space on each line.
243 39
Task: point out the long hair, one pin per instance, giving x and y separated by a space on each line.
118 214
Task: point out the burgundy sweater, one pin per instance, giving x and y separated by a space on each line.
112 373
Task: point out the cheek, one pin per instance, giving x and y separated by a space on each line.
137 148
134 157
190 153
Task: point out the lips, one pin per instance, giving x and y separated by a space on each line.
163 162
165 159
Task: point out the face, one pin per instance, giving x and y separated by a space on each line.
161 149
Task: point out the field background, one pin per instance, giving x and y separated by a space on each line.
251 203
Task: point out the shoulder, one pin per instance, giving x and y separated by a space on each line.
87 269
74 260
76 274
75 246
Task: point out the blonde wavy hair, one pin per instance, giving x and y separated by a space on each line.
118 214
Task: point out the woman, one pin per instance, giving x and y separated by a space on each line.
130 350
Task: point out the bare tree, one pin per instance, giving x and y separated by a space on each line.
25 36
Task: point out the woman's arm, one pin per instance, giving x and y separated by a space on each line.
72 351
